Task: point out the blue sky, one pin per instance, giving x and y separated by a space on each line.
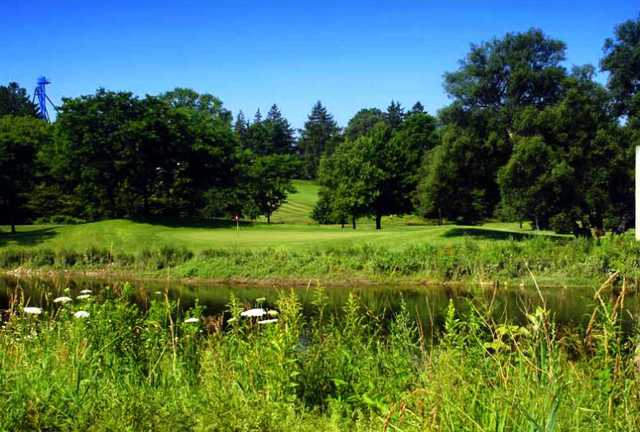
348 54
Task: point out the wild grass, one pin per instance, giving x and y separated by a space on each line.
565 261
126 367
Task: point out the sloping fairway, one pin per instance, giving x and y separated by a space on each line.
297 209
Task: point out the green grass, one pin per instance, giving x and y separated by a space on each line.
125 367
405 249
297 209
130 236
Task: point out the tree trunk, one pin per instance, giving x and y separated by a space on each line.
268 218
537 224
353 222
378 221
13 228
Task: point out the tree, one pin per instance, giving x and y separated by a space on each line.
116 155
280 133
535 181
570 167
258 136
394 115
204 103
240 128
269 184
15 101
349 181
622 61
376 174
319 136
21 137
417 108
452 181
494 83
520 69
363 122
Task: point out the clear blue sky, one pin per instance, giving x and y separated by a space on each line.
349 54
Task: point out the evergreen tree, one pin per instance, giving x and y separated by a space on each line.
417 108
240 128
319 136
394 115
281 135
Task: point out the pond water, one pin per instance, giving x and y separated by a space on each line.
570 306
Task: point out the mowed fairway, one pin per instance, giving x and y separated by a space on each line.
292 228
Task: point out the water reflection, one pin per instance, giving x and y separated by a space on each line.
570 307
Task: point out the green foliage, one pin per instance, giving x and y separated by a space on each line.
319 136
15 101
21 138
269 183
160 367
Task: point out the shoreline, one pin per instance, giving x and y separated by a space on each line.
299 282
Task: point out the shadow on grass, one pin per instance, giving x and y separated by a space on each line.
492 234
27 238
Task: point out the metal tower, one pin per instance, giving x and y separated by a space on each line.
41 94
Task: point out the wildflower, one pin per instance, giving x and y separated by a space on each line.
258 312
86 291
269 321
158 293
62 299
83 297
192 320
261 300
31 310
81 314
273 313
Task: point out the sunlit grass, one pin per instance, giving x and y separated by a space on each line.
112 365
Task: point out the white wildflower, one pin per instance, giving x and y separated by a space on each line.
192 320
269 321
86 291
273 313
32 310
83 297
258 312
62 299
81 314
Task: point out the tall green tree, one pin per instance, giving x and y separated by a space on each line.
363 122
117 155
622 62
320 135
21 138
495 81
269 184
570 167
15 101
394 115
281 135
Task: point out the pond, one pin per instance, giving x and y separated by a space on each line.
570 306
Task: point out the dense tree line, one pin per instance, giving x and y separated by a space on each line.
525 138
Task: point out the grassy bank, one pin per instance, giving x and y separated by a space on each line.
403 253
117 366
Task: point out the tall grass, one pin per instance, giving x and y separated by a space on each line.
127 367
578 260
